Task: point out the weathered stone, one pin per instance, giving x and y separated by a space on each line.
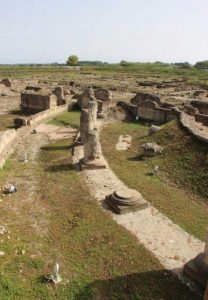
93 107
104 98
154 129
92 148
125 200
85 97
149 107
143 97
6 82
36 102
151 149
58 91
103 94
86 123
202 106
92 152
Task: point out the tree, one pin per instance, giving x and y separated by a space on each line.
201 64
125 63
183 65
72 60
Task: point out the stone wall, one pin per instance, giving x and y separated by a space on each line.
7 138
34 103
150 111
202 119
189 123
201 105
31 120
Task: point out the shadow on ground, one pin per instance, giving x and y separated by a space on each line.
49 148
61 168
154 285
137 158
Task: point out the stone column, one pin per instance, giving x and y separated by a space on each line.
84 124
92 148
93 107
87 96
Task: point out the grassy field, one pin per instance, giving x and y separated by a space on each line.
180 188
71 118
144 70
61 222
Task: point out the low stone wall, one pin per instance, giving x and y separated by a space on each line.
34 119
191 125
150 112
10 137
7 138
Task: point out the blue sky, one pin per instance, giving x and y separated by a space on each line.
108 30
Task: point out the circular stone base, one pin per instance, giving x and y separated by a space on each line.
126 200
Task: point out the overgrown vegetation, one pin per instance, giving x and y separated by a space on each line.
178 189
61 222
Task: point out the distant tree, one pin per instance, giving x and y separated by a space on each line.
184 65
72 60
125 63
201 64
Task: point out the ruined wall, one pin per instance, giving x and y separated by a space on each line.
202 119
143 97
34 103
189 123
6 141
6 138
60 95
31 120
201 105
150 111
9 137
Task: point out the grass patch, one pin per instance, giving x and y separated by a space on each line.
177 191
99 259
71 118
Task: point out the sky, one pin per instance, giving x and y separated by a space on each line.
46 31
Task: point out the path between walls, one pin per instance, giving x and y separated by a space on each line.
172 245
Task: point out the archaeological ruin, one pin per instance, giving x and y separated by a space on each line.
149 107
178 251
125 201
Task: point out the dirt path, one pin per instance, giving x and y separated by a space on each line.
172 245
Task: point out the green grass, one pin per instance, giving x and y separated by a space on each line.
71 118
62 222
144 70
178 189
